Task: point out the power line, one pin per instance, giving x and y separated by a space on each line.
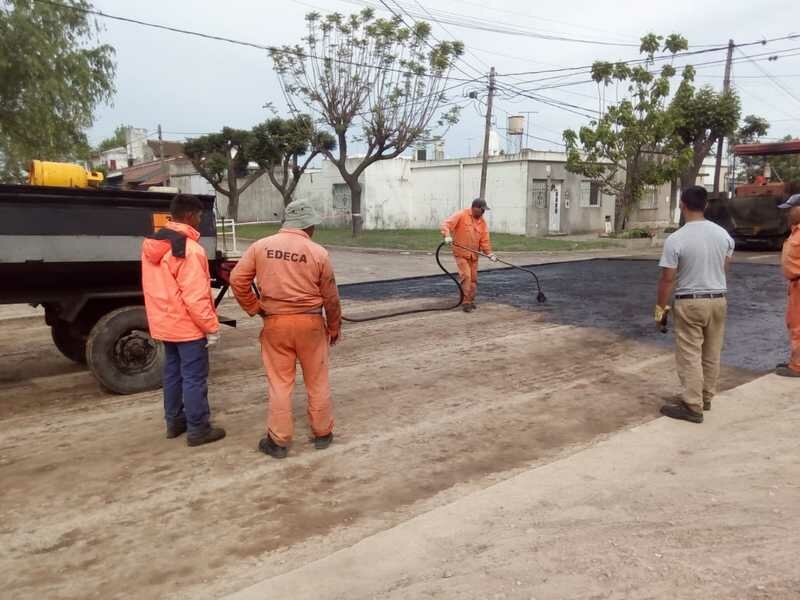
499 27
661 57
773 79
227 40
537 18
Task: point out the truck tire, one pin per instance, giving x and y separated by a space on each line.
122 355
70 342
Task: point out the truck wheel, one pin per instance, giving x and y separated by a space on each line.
70 342
122 355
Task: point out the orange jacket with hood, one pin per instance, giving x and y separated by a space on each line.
177 289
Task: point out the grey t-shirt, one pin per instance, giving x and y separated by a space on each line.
698 251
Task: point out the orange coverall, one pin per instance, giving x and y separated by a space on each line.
790 264
295 279
472 233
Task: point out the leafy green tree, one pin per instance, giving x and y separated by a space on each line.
785 167
222 159
277 145
750 131
375 81
631 145
53 74
115 141
700 118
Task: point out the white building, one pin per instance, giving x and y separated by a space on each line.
531 193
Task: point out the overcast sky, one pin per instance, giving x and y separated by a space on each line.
191 85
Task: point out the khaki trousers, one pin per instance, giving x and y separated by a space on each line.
699 333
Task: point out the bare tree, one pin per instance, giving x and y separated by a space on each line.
374 81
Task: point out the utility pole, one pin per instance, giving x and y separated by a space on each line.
164 173
726 86
485 157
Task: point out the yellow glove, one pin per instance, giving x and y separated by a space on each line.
660 312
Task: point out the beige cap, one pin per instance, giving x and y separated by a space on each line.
300 214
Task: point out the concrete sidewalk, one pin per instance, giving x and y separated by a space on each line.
666 510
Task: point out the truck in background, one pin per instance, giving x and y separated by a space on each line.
75 250
751 214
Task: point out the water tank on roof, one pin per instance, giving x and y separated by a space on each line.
516 125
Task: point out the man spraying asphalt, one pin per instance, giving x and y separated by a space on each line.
295 280
790 265
467 230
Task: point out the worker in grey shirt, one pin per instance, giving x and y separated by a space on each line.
694 263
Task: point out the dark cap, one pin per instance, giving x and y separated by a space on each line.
478 203
791 202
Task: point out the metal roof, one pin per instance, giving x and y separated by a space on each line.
770 149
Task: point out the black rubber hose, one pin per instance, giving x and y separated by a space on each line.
540 297
418 310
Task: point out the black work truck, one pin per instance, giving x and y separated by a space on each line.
76 252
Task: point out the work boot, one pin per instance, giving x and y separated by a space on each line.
176 428
322 442
268 446
681 411
787 371
212 434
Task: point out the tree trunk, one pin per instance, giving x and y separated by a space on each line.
689 176
233 206
355 205
622 204
673 201
233 195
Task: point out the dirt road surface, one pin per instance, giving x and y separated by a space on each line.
666 510
95 503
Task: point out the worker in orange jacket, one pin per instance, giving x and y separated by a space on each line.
467 230
295 280
180 313
790 264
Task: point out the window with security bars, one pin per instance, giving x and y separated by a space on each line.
648 199
590 194
539 193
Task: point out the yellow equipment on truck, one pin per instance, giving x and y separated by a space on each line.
59 174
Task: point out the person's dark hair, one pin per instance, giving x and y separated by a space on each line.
695 198
184 205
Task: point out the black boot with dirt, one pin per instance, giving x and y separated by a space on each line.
322 442
208 436
681 411
176 428
787 371
269 447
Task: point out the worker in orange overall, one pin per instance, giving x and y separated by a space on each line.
467 228
295 280
790 264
